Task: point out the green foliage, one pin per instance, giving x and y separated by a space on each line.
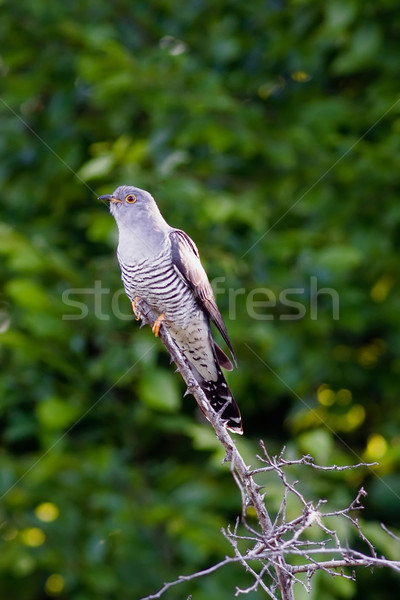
269 131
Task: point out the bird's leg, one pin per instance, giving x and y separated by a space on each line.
134 303
157 323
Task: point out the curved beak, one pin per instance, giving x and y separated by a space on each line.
109 198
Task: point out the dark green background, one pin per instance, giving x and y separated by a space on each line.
269 131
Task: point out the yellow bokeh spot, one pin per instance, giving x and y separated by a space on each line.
354 418
369 355
366 358
325 395
344 396
376 447
47 511
381 288
54 584
300 76
33 536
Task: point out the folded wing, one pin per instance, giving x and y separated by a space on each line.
186 260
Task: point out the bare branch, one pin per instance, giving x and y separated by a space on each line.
350 561
306 460
390 533
270 549
247 483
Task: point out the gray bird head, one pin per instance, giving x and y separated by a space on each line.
127 200
140 223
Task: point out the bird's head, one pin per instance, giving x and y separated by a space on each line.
127 199
137 215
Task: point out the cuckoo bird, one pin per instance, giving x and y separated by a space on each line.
161 265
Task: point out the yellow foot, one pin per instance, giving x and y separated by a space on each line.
157 323
134 303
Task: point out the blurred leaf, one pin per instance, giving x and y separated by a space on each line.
28 294
319 444
159 390
340 258
96 168
56 414
363 50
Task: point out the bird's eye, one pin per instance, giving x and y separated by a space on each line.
131 198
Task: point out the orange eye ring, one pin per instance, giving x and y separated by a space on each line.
130 198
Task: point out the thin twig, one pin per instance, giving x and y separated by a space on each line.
227 561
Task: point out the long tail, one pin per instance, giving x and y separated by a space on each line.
222 401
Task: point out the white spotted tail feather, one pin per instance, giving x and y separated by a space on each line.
220 397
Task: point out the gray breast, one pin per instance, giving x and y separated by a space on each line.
158 282
162 286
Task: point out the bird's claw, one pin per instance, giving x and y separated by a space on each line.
135 310
157 324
